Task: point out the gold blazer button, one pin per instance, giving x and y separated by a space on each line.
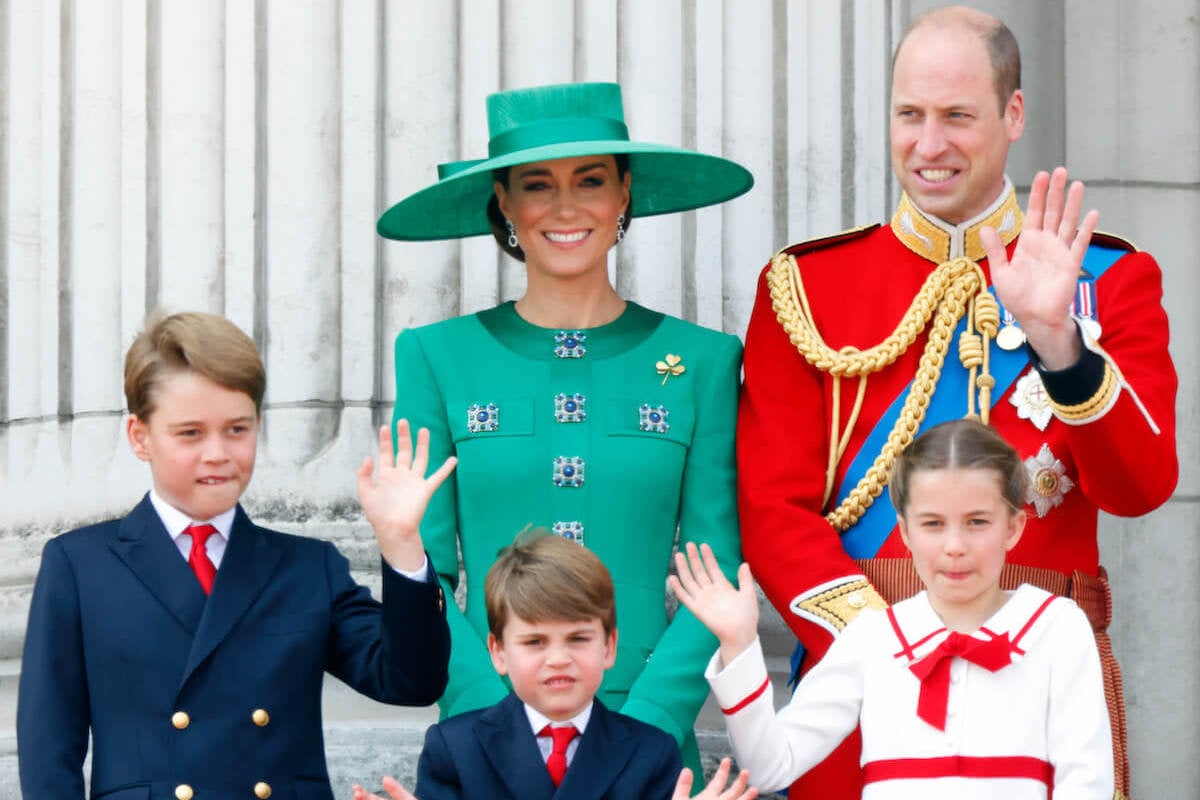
180 720
184 792
260 717
262 790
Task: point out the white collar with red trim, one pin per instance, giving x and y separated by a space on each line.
919 630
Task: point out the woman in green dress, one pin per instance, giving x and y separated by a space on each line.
574 409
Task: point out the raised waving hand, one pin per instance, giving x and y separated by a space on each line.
1038 284
730 613
394 496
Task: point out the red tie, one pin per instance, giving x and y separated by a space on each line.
934 670
556 764
198 559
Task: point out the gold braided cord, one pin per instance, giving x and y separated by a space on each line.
837 444
983 321
985 317
784 281
944 297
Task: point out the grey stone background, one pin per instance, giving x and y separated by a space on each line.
232 157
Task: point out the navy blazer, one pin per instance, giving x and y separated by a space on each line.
121 639
492 754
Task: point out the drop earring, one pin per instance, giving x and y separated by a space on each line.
512 234
620 227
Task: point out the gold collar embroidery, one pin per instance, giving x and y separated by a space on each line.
938 241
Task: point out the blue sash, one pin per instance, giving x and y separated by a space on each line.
866 536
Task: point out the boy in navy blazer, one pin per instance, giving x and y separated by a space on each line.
553 632
189 642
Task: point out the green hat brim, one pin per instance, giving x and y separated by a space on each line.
663 179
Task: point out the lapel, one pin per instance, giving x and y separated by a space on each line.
604 751
246 568
508 743
145 547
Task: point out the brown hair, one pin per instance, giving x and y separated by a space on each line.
960 444
498 222
1003 52
191 341
542 577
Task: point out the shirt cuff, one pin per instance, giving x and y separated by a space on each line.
420 574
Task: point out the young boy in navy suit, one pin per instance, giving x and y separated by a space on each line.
189 642
553 632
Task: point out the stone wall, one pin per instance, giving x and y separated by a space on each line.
233 156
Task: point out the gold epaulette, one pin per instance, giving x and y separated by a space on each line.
821 242
1112 240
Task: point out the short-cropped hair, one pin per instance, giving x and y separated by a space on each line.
1004 53
191 341
542 577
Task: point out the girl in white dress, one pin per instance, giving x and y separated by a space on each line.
964 690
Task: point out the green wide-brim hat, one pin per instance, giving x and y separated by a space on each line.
563 121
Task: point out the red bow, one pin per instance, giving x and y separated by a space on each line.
934 670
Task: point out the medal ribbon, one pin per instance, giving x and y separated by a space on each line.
1084 304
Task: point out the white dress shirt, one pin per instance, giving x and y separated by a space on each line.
176 522
538 720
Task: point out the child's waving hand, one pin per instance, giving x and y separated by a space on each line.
394 497
731 613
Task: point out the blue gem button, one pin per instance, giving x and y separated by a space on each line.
483 418
568 471
570 344
571 531
653 418
570 407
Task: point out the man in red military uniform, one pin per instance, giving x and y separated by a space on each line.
851 335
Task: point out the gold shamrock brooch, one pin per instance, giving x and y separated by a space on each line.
672 365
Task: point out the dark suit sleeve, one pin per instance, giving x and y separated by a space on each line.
661 782
437 777
52 705
396 654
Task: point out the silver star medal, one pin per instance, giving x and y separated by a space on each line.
1031 400
1048 481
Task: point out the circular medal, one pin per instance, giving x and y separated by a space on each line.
1091 327
1010 337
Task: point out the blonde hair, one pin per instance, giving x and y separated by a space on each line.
960 444
191 341
542 577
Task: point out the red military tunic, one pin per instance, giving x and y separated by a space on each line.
1109 445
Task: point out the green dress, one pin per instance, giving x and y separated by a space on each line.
588 434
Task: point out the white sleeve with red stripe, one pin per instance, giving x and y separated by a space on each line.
779 747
